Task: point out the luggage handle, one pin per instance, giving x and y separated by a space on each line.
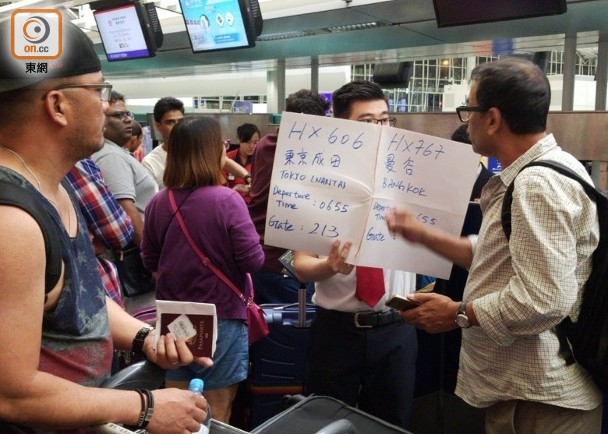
287 306
302 305
340 426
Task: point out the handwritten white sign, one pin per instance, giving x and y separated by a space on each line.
336 179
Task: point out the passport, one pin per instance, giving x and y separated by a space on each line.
195 323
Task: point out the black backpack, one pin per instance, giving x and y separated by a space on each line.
14 195
585 341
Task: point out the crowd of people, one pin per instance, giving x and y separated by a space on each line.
74 154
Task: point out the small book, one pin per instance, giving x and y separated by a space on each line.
196 323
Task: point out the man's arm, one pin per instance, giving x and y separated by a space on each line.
138 223
235 168
28 395
456 249
117 173
436 313
36 398
169 353
310 268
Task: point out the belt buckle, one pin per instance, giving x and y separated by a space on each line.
356 321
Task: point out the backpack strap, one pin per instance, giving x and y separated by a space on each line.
558 167
562 329
14 195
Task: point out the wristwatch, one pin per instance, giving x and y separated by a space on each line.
140 337
461 316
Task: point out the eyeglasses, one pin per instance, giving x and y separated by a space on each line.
104 89
464 112
123 116
384 121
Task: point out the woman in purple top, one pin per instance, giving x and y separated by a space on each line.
218 220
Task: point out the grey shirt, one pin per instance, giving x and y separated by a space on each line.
124 175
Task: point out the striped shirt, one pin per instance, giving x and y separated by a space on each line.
521 289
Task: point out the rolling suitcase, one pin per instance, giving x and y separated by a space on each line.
278 362
322 414
217 427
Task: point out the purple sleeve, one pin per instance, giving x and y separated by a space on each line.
246 247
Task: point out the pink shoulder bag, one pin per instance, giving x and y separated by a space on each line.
256 323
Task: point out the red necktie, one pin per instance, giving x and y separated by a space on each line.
370 285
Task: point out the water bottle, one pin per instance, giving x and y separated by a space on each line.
197 386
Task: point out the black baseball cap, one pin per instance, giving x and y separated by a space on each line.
77 57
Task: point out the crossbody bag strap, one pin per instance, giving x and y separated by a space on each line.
204 259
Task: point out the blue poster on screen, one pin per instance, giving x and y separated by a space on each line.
214 24
242 107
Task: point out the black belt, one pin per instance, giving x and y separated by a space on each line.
363 319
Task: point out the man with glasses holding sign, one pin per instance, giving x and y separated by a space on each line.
58 329
360 351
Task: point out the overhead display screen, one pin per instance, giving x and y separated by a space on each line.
217 24
462 12
122 33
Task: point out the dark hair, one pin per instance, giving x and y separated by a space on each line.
16 104
116 96
136 130
308 102
246 131
194 156
358 90
166 104
519 89
461 134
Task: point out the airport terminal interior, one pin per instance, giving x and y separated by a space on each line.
322 44
421 59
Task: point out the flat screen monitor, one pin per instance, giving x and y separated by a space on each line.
214 25
460 12
124 32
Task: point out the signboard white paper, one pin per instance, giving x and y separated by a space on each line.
336 179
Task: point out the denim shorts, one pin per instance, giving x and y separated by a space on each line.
230 361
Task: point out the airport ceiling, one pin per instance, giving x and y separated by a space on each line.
340 33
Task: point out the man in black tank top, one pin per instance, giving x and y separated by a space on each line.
59 330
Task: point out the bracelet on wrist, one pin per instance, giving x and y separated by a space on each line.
149 408
140 337
247 178
142 413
